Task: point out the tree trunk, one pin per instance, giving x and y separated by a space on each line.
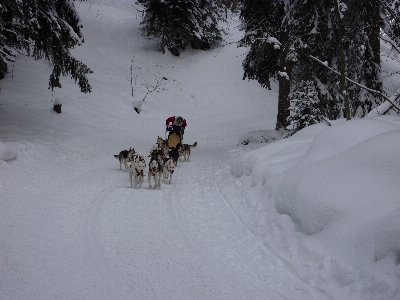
284 84
341 50
234 5
374 50
373 35
3 69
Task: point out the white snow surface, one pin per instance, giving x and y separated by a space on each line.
313 216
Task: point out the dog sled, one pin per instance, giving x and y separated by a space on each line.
174 138
174 141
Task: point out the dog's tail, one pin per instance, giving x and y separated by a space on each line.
194 145
116 156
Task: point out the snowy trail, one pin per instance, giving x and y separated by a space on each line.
142 227
187 232
210 221
127 243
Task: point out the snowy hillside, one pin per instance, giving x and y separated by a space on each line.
314 216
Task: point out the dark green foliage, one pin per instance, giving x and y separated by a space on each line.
312 30
304 107
176 24
44 29
261 19
315 34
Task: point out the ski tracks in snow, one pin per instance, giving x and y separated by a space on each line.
178 241
111 280
95 249
209 219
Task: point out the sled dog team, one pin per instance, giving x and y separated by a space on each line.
163 160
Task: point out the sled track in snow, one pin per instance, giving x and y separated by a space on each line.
209 220
95 250
316 291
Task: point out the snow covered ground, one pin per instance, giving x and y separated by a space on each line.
314 216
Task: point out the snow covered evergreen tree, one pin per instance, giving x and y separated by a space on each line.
312 28
176 24
262 19
304 107
44 29
314 34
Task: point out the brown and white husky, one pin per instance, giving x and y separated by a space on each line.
185 150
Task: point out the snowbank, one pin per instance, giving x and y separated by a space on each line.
7 152
260 136
339 185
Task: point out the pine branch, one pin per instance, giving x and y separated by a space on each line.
279 44
394 46
350 80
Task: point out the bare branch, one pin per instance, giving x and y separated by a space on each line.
151 89
394 46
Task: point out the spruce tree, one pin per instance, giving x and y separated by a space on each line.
176 24
44 29
304 107
312 29
261 20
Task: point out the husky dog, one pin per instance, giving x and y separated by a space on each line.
132 155
173 153
184 150
162 144
168 169
138 158
136 170
156 151
155 172
124 157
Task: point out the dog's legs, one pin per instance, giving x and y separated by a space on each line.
149 180
155 177
159 179
155 180
140 180
130 177
136 181
119 158
170 178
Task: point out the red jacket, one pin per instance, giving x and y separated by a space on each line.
173 121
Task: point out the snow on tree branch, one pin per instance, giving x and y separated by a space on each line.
276 42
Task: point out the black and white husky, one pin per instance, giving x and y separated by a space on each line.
124 157
136 168
185 150
173 153
155 172
168 169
